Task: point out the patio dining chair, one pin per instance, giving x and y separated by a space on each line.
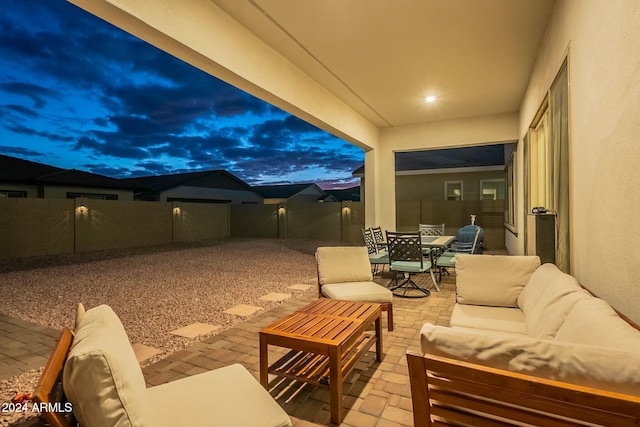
430 230
379 238
377 258
406 260
344 272
448 258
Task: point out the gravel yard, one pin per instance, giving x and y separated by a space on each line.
155 290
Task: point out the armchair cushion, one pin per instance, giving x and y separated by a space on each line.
239 400
102 378
358 291
493 280
339 264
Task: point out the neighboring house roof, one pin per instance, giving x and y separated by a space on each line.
210 179
284 191
20 171
352 194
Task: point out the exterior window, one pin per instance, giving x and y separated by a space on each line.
492 189
510 214
453 190
5 194
540 163
95 196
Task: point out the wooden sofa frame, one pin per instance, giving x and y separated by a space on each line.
447 391
49 390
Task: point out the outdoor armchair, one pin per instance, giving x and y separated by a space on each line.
344 273
95 368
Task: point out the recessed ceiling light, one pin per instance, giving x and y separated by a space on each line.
430 98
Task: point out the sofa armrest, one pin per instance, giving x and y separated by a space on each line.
453 392
590 366
495 280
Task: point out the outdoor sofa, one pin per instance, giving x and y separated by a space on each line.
526 342
94 372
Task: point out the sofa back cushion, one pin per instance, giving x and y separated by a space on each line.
102 378
547 299
342 264
586 365
494 280
593 321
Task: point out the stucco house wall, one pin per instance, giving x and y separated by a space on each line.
600 39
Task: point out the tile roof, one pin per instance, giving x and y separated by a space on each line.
283 191
341 195
15 170
213 178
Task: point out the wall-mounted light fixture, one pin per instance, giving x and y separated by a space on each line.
281 210
177 210
82 209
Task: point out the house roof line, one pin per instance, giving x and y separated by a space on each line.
169 181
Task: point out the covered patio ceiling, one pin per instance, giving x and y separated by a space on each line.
383 57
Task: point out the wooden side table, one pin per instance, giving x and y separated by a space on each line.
327 338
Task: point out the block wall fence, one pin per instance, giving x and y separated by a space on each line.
38 227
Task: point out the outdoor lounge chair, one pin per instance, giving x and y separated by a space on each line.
95 373
344 273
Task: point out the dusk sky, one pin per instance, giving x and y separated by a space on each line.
77 92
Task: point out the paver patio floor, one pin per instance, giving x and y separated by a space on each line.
376 393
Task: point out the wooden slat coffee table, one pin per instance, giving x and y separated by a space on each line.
327 338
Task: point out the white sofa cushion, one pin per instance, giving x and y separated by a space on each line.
340 264
547 299
504 319
593 321
102 378
358 291
493 280
591 366
228 396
